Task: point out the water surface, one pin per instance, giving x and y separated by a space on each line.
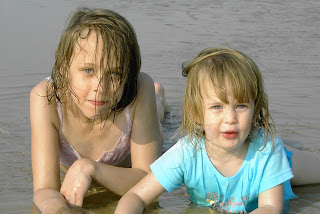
282 37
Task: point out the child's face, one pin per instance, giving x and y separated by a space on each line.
95 94
226 125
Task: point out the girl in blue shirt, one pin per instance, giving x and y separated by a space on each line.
230 158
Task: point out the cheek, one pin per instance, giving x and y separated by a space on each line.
115 93
79 91
247 125
116 87
211 129
78 83
212 120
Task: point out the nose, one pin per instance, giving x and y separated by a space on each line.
98 85
230 116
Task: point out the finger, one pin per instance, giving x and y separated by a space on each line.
65 194
80 192
80 189
76 196
79 198
67 200
63 189
72 198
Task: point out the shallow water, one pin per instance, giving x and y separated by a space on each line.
281 36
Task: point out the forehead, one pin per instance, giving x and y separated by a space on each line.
222 89
90 44
90 50
207 90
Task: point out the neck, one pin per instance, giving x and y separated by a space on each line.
96 121
220 155
225 161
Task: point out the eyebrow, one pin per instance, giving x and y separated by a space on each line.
89 64
214 101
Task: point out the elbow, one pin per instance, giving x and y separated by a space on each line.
39 198
130 203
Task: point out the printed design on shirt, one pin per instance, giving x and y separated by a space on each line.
226 205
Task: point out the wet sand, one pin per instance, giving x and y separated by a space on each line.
281 36
308 202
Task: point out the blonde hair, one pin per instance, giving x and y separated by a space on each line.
223 66
119 41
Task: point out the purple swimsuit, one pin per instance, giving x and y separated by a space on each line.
120 151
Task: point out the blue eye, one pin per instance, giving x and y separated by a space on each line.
114 74
216 107
88 70
241 106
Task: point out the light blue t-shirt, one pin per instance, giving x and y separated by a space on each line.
260 171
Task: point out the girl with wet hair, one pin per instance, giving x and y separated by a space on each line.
96 116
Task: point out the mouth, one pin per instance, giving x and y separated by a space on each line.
97 103
230 134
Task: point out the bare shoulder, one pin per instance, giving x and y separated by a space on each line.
39 90
145 78
38 95
145 98
145 85
39 104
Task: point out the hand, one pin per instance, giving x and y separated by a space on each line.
77 181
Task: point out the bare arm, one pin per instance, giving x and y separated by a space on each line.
270 201
79 176
141 195
44 151
146 144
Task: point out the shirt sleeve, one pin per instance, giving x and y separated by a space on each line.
169 168
276 169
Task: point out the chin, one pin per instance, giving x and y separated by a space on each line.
234 145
